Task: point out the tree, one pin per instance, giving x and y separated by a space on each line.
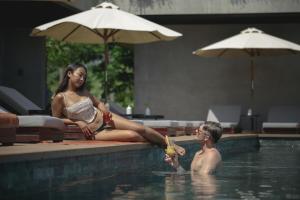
120 69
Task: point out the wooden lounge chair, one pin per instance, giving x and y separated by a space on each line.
8 124
31 128
183 127
227 115
282 119
37 128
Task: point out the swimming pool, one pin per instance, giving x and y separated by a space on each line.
270 172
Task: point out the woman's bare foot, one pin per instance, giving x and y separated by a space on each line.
179 150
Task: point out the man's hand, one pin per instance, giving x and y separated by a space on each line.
173 161
86 130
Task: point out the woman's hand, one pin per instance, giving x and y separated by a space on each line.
107 119
86 130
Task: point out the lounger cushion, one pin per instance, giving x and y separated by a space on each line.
228 124
227 115
137 121
280 125
2 109
284 114
195 124
224 113
282 119
159 123
17 101
41 121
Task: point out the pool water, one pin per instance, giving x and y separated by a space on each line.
272 172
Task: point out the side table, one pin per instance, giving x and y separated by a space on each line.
251 123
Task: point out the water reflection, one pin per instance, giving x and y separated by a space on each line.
204 186
196 186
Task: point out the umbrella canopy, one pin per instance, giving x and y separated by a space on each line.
249 43
104 24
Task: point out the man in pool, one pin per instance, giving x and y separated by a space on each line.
208 158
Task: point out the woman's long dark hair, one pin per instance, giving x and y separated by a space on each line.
64 83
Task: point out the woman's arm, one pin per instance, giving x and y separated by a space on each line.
57 111
57 107
107 115
97 103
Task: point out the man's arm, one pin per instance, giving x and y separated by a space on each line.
174 162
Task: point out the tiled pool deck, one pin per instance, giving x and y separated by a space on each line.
26 168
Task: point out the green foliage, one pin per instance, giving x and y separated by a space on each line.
120 69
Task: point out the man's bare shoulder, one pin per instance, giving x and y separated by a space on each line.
214 154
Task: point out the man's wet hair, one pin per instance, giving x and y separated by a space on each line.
214 128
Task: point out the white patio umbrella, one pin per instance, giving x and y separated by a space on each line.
104 24
249 43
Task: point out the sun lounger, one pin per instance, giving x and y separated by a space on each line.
179 126
32 128
227 115
8 124
17 103
116 108
37 128
282 119
186 127
73 132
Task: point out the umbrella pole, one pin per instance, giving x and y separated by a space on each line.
106 62
252 84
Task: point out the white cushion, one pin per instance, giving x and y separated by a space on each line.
137 121
280 125
41 121
159 123
228 124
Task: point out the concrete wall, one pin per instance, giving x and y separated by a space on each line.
180 85
175 7
23 64
1 56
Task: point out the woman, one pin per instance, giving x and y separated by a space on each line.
75 105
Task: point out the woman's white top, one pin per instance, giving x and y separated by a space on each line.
83 110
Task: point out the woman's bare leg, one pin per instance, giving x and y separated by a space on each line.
150 134
119 135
